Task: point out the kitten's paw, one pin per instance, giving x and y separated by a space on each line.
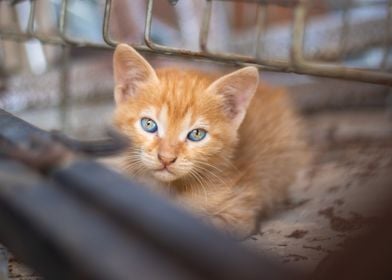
237 229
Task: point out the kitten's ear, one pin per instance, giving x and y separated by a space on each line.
130 71
237 89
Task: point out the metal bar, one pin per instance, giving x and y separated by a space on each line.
30 23
30 33
285 3
205 26
18 131
23 37
345 28
14 36
84 245
33 34
387 46
261 22
106 30
298 33
64 82
15 130
293 3
106 24
63 33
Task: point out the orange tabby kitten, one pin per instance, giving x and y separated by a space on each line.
218 148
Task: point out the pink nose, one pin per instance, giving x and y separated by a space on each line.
166 160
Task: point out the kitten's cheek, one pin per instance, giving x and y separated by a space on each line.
149 161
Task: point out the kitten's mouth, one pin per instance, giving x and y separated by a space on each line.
164 174
163 169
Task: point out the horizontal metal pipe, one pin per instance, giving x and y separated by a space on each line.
64 238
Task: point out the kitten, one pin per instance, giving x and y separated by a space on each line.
214 145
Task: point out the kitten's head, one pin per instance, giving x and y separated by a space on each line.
182 123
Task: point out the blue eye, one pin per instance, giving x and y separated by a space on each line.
148 125
197 135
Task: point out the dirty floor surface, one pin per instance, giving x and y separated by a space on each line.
339 195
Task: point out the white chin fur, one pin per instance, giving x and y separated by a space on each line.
164 176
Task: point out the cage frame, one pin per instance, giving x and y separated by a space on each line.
297 62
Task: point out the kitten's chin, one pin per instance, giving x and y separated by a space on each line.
164 175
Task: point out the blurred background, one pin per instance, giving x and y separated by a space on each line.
333 56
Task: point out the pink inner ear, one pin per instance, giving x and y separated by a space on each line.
232 102
236 90
130 70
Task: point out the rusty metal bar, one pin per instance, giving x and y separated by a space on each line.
30 33
345 28
106 24
66 38
261 22
64 82
284 3
30 23
205 26
387 46
106 30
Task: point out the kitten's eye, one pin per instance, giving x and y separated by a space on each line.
148 125
197 134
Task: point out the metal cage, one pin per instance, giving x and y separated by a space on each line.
297 61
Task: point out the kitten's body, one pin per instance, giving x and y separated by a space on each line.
246 163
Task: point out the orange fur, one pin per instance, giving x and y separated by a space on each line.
246 162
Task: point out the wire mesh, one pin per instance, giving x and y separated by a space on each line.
298 58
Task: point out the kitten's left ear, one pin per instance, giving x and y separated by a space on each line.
131 70
236 89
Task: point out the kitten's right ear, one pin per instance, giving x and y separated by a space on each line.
130 71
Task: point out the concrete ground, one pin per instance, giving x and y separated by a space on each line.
339 195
